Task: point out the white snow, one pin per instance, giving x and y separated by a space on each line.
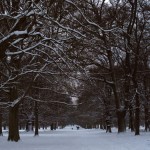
82 139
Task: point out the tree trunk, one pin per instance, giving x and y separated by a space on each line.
127 87
101 125
120 112
36 119
52 126
121 121
27 126
146 118
13 118
131 126
1 133
4 126
13 124
137 115
137 100
146 105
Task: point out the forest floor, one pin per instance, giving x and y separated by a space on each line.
73 139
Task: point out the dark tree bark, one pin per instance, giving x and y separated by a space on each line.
1 133
121 121
4 126
52 126
137 115
13 124
131 118
121 113
135 48
108 124
146 105
27 126
13 117
137 100
147 126
36 119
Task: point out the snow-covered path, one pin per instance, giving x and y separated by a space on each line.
82 139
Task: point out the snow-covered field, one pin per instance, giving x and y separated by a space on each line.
82 139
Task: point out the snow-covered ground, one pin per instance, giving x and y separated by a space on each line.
82 139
